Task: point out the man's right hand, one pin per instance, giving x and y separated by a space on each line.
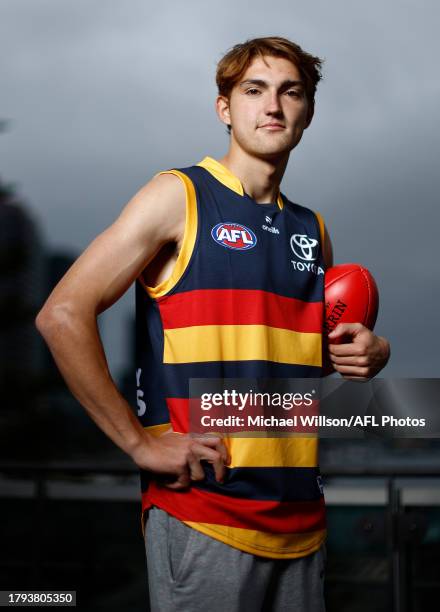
179 455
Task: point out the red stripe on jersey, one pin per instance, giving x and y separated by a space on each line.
268 515
179 413
239 307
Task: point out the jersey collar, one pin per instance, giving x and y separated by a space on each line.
225 176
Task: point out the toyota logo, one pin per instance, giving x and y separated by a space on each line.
303 246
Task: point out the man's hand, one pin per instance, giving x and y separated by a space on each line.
178 456
362 354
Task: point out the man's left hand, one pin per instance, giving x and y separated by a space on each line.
361 355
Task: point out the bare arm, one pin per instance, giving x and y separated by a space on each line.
68 321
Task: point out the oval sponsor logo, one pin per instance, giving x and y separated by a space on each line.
234 236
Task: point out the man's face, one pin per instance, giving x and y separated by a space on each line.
267 109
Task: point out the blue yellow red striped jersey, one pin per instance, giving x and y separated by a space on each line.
244 300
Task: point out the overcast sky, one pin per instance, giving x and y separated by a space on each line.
103 94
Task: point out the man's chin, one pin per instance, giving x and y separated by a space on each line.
272 153
275 150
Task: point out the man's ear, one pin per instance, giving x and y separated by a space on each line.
222 108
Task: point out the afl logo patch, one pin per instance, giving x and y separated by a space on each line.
234 236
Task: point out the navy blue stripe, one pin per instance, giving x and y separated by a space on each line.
264 483
177 375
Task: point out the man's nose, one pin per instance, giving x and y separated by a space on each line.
273 106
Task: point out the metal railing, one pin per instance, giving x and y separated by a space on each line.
47 483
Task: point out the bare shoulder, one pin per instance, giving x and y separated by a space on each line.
153 217
158 207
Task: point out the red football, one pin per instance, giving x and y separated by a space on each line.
351 296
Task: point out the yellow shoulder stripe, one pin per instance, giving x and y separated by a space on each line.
321 227
189 238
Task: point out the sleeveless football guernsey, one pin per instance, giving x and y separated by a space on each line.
244 300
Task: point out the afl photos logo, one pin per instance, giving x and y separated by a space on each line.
234 236
304 247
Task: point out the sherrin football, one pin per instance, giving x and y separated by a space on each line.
351 296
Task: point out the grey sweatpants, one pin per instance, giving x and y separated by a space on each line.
190 572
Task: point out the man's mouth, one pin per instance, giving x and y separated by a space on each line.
273 126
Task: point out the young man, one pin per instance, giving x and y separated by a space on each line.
236 523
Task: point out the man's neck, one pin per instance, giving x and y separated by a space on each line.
260 178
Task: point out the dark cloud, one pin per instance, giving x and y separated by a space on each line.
104 94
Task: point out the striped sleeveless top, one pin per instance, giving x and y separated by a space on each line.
244 300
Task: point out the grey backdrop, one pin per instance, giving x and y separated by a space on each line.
103 94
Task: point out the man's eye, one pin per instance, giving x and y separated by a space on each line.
253 91
293 93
